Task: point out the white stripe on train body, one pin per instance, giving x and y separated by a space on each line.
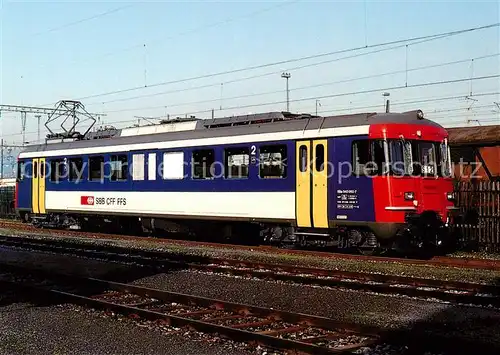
259 205
248 138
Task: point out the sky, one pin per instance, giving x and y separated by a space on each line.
84 50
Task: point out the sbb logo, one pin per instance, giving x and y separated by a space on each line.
87 200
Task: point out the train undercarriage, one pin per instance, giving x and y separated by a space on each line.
422 234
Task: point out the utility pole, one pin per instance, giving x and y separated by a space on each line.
23 125
317 103
386 102
38 129
1 158
287 76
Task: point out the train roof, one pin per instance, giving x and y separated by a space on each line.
474 136
194 128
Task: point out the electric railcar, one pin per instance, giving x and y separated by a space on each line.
366 181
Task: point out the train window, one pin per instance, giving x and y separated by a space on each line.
21 170
152 166
75 169
236 163
138 167
303 158
202 163
361 156
320 157
35 169
173 165
119 167
56 170
42 170
400 157
272 161
368 157
428 158
96 168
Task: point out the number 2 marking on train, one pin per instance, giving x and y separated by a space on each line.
252 150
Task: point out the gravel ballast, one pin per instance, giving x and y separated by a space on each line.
440 273
30 329
366 308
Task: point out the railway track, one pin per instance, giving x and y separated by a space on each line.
272 329
256 325
450 291
438 261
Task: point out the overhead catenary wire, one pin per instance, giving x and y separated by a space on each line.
395 103
197 29
406 103
484 120
261 75
288 61
77 22
399 87
302 87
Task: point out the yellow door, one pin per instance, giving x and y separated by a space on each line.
312 184
41 185
319 168
34 187
303 184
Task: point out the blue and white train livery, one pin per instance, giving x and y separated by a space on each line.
278 175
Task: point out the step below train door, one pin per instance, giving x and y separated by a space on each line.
311 201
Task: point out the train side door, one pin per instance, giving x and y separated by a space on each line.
311 201
319 183
41 185
38 186
34 187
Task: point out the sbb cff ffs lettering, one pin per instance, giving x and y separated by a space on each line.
110 201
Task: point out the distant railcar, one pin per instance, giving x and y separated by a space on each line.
475 153
365 181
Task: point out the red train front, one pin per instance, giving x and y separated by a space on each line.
412 184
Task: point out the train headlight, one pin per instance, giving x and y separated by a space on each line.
450 196
409 196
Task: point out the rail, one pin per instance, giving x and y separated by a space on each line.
451 291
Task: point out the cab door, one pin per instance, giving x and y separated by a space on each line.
38 186
311 184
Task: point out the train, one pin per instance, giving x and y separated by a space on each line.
369 182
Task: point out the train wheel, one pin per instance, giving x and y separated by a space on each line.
367 244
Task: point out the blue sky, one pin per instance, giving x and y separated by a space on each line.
71 50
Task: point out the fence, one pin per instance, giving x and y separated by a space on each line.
481 200
7 201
